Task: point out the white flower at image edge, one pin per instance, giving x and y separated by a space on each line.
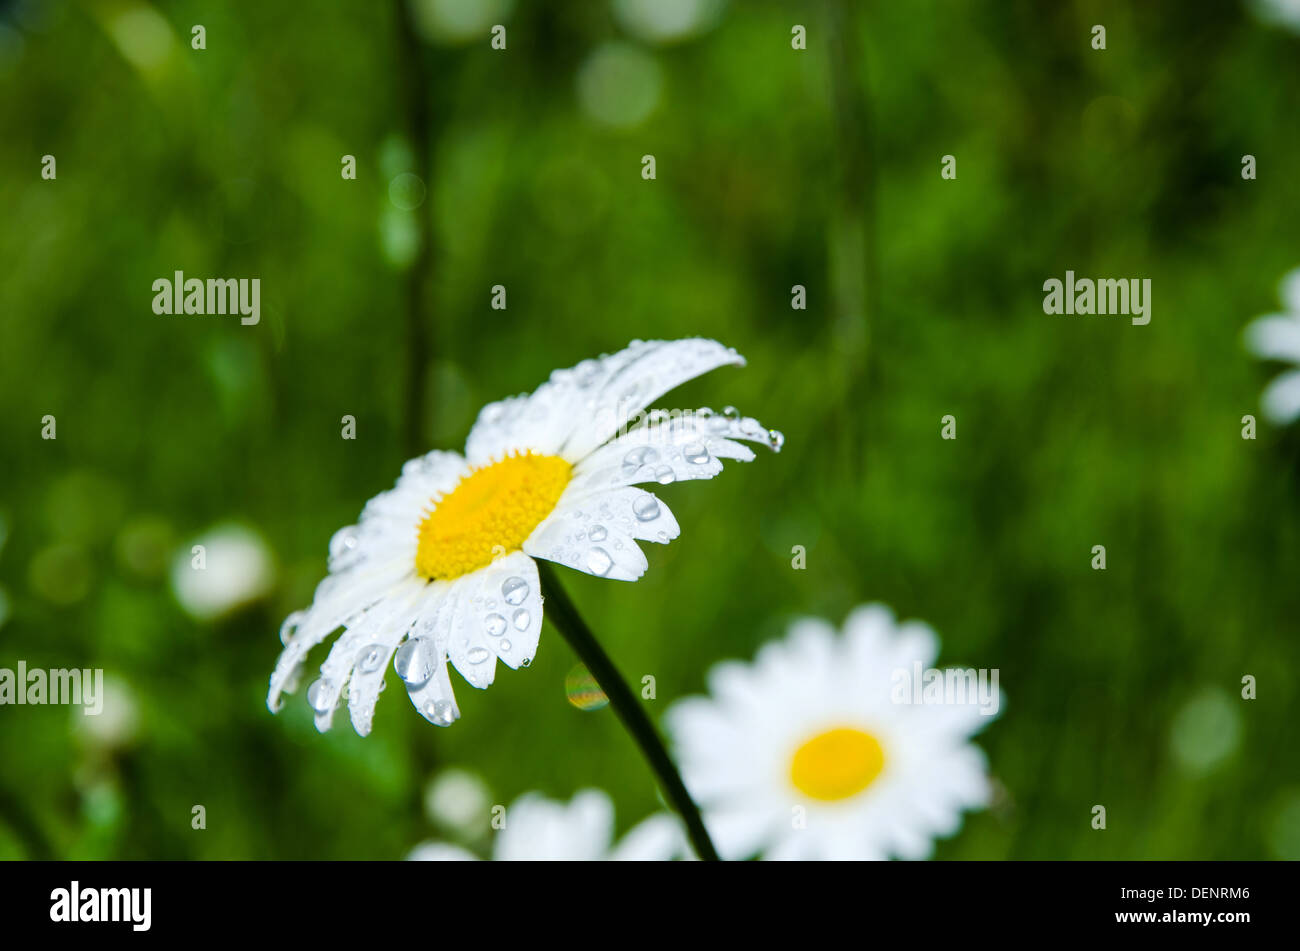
440 571
1277 337
803 754
541 829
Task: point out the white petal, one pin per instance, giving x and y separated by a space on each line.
579 408
440 852
1275 337
679 449
501 613
537 828
566 539
434 699
635 512
379 628
1281 399
340 598
640 375
659 838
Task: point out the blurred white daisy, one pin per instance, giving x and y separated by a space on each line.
540 829
1277 337
224 569
440 568
804 754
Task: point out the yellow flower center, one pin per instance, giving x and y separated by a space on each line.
837 764
490 512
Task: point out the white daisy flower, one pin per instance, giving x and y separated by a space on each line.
804 754
1277 337
541 829
440 568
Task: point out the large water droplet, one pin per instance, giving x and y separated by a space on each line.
440 712
664 475
514 590
416 661
638 457
599 562
598 533
495 624
695 453
318 696
344 538
477 655
646 508
370 659
522 619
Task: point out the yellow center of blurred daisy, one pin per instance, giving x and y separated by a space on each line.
491 511
837 764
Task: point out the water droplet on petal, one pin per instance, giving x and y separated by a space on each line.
415 661
695 453
514 590
477 655
731 412
599 562
370 659
664 475
505 645
290 626
318 696
598 533
440 712
775 439
522 619
646 508
496 625
638 457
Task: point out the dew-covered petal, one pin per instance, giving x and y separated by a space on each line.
339 599
577 537
635 512
376 629
669 449
503 614
539 422
579 408
631 380
371 662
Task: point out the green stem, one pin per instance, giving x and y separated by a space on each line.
561 612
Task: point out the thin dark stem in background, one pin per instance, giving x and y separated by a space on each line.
561 612
419 279
855 269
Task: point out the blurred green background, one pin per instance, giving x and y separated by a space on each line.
775 167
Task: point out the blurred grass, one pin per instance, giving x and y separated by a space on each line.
1071 432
